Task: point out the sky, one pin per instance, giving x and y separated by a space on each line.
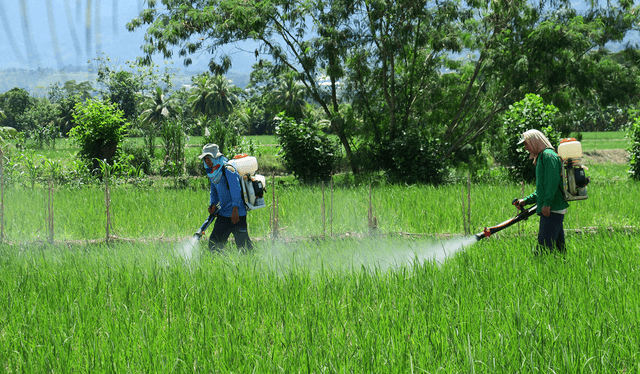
56 33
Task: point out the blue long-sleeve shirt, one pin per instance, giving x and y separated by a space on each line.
227 197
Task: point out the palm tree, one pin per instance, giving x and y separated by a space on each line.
289 97
213 96
155 109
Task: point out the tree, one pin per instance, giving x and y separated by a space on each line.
155 110
307 152
127 85
14 103
65 97
39 121
400 62
213 96
280 27
395 75
527 114
99 133
288 97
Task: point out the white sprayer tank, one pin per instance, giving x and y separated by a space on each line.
245 165
570 148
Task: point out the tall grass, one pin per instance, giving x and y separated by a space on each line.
490 308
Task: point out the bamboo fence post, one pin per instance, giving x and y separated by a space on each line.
372 221
469 203
464 214
274 216
1 195
322 210
107 202
50 214
331 210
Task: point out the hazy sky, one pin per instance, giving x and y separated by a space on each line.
56 33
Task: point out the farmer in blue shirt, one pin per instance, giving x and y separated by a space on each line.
225 190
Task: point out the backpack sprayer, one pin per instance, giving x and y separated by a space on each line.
252 184
574 181
522 216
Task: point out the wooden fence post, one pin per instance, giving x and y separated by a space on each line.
322 210
331 210
274 216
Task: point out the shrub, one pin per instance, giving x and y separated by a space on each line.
306 152
634 150
220 133
527 114
99 132
7 132
412 159
138 156
175 141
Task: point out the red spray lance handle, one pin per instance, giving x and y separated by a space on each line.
487 231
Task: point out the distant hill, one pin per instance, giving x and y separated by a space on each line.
37 81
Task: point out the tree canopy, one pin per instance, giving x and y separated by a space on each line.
438 70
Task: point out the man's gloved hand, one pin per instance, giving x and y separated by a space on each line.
519 203
546 211
212 208
235 218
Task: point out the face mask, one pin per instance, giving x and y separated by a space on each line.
215 173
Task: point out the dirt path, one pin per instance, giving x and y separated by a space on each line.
606 156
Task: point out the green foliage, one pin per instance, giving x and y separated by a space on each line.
213 96
174 141
307 152
40 122
411 159
634 150
7 132
137 155
14 103
527 114
156 109
100 131
127 85
219 132
289 97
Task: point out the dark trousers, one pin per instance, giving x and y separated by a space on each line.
551 233
223 227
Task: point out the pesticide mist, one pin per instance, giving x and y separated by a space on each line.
358 254
188 250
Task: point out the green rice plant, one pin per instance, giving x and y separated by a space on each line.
149 212
600 135
370 305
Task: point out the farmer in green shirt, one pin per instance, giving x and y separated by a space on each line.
548 195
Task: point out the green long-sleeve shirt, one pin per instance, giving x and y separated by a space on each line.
548 179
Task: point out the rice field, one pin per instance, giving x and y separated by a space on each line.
371 305
415 294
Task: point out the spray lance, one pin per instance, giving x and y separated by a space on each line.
206 223
524 214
